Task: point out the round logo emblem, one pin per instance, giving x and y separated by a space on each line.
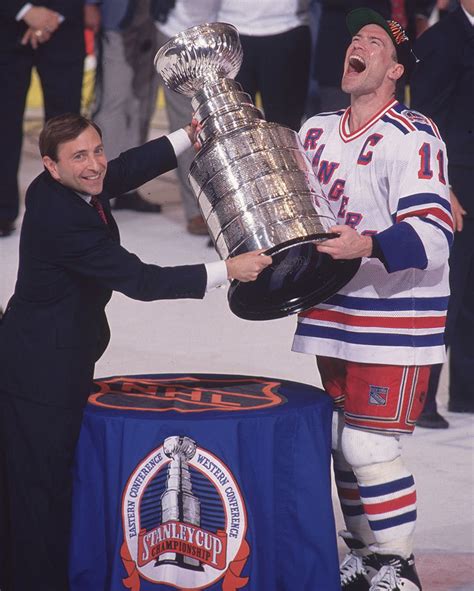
184 519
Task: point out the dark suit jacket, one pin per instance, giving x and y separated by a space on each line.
55 328
442 86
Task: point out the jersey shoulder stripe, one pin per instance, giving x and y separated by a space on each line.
414 120
396 123
402 121
435 128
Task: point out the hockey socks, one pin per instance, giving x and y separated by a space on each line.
387 492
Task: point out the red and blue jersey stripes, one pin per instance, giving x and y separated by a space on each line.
429 207
407 120
372 338
393 310
392 329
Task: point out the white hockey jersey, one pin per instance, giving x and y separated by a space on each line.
389 178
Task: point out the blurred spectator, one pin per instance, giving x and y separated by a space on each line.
48 36
276 41
333 39
315 10
443 88
125 79
171 20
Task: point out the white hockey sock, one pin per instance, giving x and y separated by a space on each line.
387 492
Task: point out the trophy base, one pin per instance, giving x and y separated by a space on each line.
298 278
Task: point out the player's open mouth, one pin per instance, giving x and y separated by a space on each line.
356 64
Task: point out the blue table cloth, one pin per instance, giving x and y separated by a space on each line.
197 481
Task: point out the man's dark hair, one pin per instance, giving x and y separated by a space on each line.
60 129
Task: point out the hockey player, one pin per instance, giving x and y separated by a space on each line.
383 169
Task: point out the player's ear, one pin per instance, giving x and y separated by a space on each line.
396 72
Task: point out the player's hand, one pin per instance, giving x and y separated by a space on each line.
246 267
349 244
92 18
192 130
42 19
457 211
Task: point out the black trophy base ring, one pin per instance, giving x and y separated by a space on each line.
298 278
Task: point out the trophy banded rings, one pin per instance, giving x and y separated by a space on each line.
253 183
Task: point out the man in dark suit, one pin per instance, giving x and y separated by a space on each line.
54 329
47 35
443 88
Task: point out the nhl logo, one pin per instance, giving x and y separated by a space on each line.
184 520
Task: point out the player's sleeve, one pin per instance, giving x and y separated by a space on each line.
422 232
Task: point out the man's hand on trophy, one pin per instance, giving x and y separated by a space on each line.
348 245
246 267
192 130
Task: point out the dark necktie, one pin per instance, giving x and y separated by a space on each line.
100 210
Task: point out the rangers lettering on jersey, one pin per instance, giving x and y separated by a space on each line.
386 179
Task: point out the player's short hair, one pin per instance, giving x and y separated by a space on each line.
61 129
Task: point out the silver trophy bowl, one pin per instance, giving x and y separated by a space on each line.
254 185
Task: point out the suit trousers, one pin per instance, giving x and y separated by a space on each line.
37 444
277 66
61 82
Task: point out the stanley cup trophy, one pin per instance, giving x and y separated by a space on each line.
178 502
254 185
